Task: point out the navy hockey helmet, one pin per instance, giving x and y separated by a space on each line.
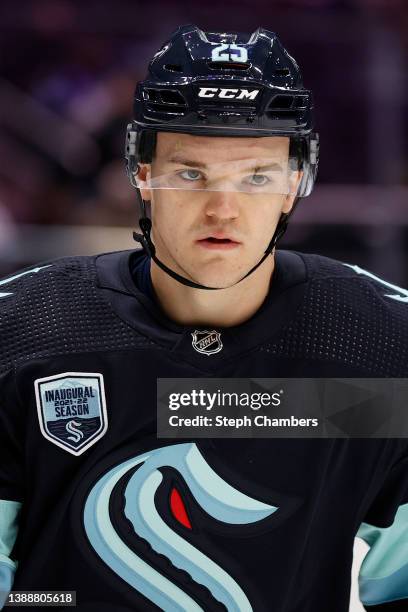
222 84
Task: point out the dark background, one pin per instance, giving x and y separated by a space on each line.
67 75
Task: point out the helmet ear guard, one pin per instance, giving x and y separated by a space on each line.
310 165
130 154
139 148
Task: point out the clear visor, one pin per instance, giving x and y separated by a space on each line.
257 175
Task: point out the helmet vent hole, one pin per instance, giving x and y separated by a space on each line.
281 103
282 72
173 67
229 65
165 96
153 95
172 97
169 101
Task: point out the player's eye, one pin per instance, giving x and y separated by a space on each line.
259 180
191 175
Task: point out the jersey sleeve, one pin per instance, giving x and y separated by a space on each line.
11 481
383 575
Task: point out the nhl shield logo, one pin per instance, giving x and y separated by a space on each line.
72 409
207 342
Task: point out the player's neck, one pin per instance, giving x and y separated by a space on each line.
224 308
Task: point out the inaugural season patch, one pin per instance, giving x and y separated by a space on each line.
72 409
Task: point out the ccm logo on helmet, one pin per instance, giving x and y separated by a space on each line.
227 94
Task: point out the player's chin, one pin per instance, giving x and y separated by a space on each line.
219 275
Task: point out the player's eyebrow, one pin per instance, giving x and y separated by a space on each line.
197 164
272 166
186 162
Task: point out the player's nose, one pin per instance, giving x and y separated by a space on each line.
222 204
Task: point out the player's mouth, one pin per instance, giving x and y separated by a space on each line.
218 242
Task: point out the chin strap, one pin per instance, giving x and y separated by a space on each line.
149 248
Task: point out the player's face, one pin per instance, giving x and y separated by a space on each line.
214 206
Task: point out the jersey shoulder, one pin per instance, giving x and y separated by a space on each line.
55 308
363 285
353 316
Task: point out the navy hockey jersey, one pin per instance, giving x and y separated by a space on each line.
92 501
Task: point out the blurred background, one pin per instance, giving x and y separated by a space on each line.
67 75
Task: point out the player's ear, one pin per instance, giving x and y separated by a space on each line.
142 178
290 198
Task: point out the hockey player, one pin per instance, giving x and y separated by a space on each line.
92 501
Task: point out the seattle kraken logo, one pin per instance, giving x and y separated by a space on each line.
71 427
214 495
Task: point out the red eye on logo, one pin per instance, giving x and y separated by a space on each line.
178 508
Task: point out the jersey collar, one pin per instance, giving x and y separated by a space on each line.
205 347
